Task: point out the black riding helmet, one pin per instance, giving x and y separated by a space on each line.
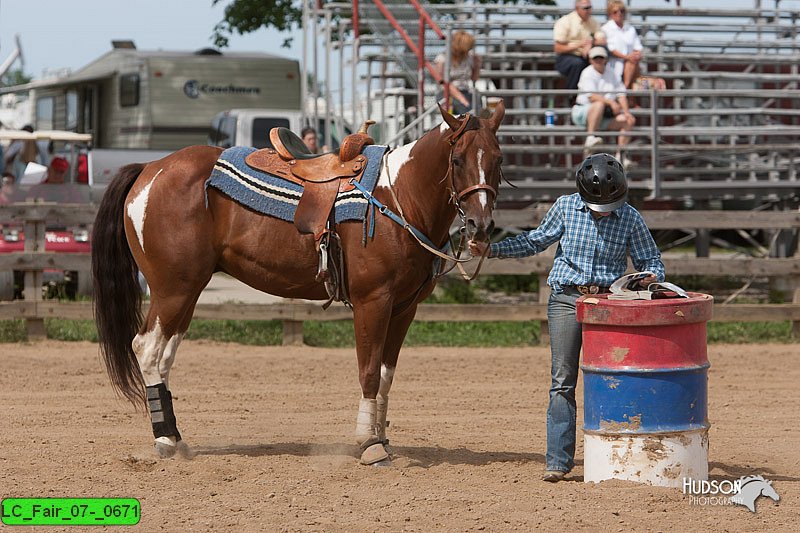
602 183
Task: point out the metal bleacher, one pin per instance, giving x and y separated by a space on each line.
727 126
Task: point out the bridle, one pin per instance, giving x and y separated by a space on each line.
469 123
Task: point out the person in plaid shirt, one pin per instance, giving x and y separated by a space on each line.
596 229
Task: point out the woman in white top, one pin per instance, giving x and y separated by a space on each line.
623 43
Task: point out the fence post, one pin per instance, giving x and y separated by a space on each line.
34 242
292 333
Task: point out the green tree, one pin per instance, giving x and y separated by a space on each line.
246 16
14 77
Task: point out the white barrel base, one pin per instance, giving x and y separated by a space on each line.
655 459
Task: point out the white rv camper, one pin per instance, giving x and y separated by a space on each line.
160 100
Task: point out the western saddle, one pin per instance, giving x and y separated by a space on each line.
322 176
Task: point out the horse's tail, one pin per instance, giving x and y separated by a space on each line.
117 295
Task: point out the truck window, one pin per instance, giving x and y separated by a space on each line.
44 112
223 132
71 122
129 90
261 128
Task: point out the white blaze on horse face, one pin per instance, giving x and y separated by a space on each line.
482 175
137 210
392 164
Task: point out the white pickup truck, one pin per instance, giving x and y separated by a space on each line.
251 127
235 127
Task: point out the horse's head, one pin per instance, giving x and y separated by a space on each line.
474 169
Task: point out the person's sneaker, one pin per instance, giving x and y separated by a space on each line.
553 476
592 140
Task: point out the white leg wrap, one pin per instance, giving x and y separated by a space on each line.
365 423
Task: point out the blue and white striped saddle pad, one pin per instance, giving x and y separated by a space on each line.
277 197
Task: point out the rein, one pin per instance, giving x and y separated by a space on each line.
468 124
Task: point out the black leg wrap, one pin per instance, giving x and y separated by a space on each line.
159 401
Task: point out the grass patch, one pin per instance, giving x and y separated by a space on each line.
472 334
328 334
12 331
251 332
749 332
61 329
339 333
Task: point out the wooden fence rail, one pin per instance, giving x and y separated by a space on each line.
293 313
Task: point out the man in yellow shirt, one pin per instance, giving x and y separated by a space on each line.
573 36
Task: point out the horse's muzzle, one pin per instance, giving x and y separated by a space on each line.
479 230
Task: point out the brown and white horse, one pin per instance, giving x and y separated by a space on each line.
154 218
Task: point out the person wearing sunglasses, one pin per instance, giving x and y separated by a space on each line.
572 40
624 44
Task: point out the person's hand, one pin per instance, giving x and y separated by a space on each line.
635 56
585 47
644 282
477 248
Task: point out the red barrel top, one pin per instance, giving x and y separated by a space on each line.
640 335
598 309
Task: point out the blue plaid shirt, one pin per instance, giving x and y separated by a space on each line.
590 251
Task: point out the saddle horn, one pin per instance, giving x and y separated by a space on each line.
365 126
355 142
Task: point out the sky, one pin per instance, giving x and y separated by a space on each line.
57 34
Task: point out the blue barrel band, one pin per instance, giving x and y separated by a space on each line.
636 402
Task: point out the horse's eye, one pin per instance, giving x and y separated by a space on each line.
457 162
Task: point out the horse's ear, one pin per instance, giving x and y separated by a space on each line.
497 117
450 119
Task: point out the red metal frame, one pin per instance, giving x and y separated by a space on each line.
419 50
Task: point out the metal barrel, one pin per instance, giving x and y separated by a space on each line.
645 375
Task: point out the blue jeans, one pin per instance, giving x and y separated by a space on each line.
565 350
570 66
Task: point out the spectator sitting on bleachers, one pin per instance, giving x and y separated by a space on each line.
602 103
465 64
624 45
572 39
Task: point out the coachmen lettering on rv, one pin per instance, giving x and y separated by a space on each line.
194 88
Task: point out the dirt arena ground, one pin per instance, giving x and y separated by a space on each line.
271 429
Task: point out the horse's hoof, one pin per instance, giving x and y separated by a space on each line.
374 454
384 463
165 447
